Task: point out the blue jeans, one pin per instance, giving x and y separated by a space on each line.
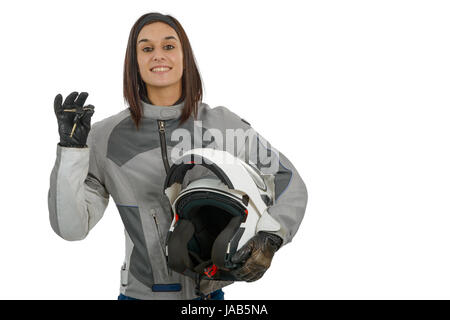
215 295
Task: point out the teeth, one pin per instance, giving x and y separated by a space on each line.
160 69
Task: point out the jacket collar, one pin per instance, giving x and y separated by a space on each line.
162 112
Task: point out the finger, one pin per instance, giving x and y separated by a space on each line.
57 104
86 119
242 254
89 108
70 99
255 276
242 274
81 99
88 111
254 272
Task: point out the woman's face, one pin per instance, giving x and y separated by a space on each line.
158 45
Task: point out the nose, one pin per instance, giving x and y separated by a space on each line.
158 54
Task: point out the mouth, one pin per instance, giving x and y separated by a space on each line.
160 69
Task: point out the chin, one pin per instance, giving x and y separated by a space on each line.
161 83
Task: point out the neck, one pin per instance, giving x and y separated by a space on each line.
164 96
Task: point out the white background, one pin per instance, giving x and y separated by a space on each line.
354 93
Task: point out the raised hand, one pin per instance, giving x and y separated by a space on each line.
74 120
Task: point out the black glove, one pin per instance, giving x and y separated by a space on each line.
74 120
255 256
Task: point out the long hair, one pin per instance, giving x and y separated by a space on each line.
134 88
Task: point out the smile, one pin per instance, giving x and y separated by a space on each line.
160 70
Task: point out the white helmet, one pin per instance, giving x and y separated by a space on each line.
215 215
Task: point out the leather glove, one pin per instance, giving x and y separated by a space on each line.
74 120
256 256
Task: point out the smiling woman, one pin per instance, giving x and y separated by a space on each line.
160 41
160 63
128 156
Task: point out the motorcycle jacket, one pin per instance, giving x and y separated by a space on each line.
130 166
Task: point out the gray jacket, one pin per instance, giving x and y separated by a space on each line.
129 165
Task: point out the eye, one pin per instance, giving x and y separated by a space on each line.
168 45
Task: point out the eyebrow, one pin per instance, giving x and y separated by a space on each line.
166 38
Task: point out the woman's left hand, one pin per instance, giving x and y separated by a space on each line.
256 256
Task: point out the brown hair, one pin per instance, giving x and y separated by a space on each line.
134 88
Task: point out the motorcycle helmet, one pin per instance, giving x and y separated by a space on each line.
218 203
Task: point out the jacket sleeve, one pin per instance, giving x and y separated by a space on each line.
77 197
289 204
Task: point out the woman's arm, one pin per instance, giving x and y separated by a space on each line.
77 197
291 196
287 207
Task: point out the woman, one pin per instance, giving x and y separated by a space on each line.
128 154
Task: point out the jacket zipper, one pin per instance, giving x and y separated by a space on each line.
160 243
162 140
